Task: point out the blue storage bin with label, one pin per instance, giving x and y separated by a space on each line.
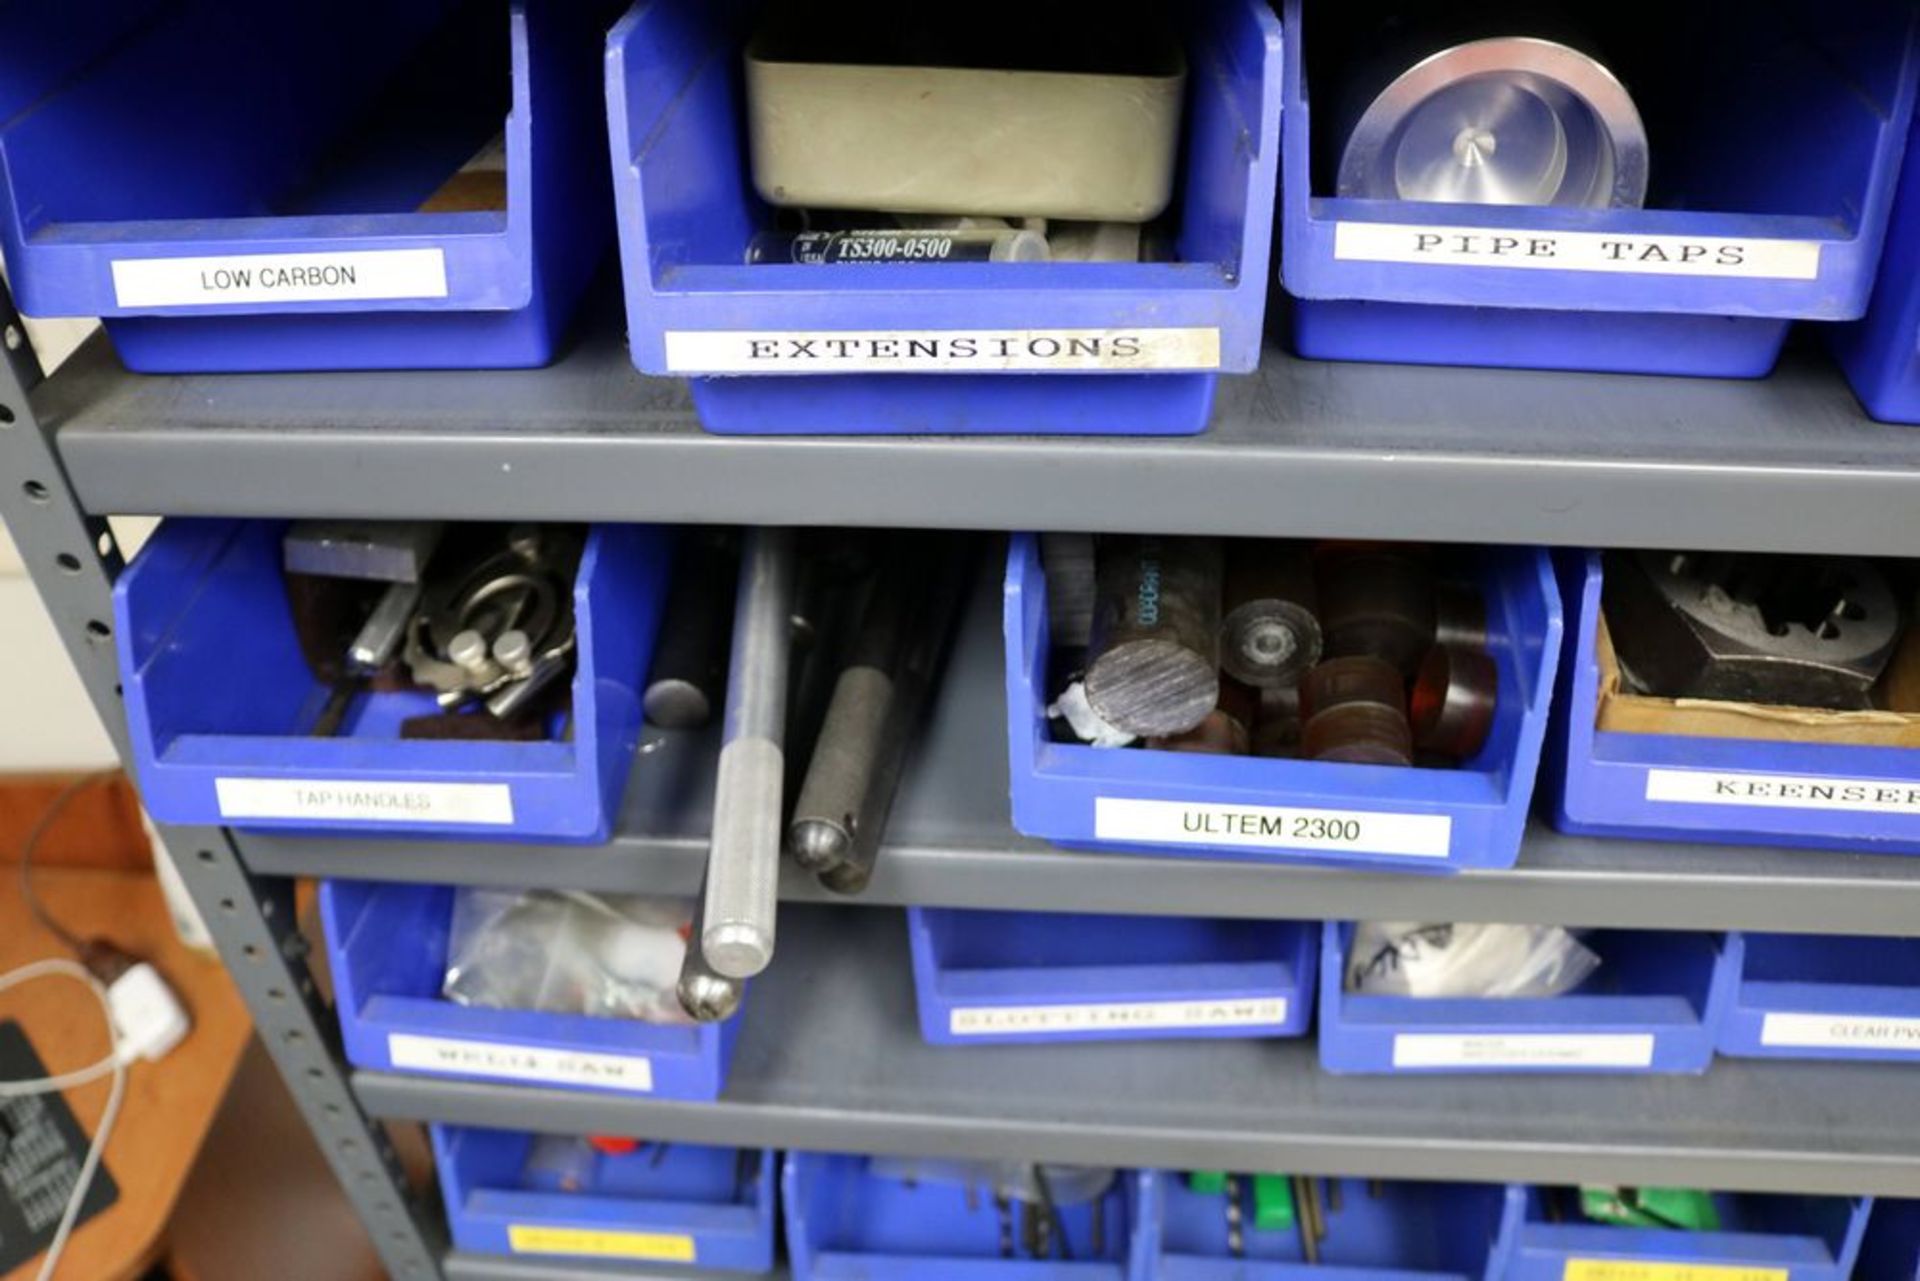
854 1218
1804 996
1781 1238
987 978
1744 790
387 944
1881 353
934 348
1774 141
1653 1005
1376 1230
557 1197
236 186
1891 1251
1133 800
221 703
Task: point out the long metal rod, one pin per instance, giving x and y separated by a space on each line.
743 862
73 561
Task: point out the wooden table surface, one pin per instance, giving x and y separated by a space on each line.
170 1104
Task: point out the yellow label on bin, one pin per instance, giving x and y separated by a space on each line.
1661 1270
601 1243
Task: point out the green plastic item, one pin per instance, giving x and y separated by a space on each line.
1273 1208
1688 1209
1208 1182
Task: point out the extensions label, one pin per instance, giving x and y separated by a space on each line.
910 351
1602 251
1784 791
1271 827
1842 1030
1523 1049
599 1243
487 804
520 1062
1656 1270
276 278
1060 1020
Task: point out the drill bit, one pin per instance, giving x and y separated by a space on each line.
1236 1234
1309 1238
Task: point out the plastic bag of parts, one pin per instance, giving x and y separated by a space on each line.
1403 958
1014 1180
604 955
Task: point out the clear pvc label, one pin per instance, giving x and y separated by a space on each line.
536 1064
600 1243
482 804
1616 253
932 351
1061 1020
238 279
1523 1049
1271 827
1661 1270
1784 791
1841 1031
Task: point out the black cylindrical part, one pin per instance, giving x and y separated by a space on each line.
690 657
1154 658
1269 635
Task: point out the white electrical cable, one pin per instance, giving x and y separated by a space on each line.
61 968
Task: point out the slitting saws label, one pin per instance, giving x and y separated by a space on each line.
1841 1031
520 1062
1784 791
1743 258
930 351
237 279
1271 827
1063 1020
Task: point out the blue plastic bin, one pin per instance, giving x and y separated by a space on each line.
219 700
1731 790
673 1203
1881 354
1385 1231
1654 1005
1133 800
999 977
1891 1251
1763 1238
1782 150
1021 347
388 947
237 186
844 1224
1800 996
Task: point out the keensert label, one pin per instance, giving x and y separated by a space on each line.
1783 791
1590 251
939 350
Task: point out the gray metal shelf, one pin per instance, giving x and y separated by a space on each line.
952 844
830 1057
1788 463
461 1266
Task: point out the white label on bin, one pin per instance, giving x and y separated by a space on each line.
274 278
1271 827
1117 1016
520 1062
1784 791
1841 1030
490 804
1523 1049
938 351
1619 252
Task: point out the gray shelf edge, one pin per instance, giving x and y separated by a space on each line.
464 1265
830 1058
1300 448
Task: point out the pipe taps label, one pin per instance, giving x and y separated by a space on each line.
236 279
928 351
1737 257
